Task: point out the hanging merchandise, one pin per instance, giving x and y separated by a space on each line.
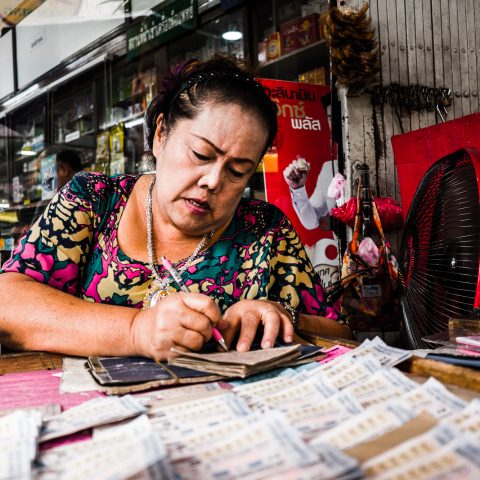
355 52
389 211
370 287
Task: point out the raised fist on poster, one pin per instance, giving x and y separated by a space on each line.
295 174
310 210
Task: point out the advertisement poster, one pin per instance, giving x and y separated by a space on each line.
48 174
304 132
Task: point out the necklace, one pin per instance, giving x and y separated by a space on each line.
161 285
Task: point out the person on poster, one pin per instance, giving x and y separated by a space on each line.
310 210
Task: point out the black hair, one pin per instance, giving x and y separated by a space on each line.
192 84
70 158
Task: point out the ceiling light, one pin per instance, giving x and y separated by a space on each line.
233 33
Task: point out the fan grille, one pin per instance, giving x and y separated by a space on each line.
440 247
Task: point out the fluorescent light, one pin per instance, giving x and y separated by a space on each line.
30 91
27 153
134 123
232 35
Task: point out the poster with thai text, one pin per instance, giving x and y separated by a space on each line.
304 134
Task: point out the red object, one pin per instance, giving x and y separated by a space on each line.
389 211
303 130
416 151
289 34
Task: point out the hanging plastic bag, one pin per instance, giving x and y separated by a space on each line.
389 211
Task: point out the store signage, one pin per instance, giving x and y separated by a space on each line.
163 25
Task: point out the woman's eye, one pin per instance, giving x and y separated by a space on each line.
236 173
200 156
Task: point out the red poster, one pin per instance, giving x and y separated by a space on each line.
304 133
416 151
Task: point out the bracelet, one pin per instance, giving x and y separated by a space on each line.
295 315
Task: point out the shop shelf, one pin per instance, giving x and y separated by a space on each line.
300 60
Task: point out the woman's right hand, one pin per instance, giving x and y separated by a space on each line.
181 320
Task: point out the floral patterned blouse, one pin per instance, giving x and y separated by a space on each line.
73 247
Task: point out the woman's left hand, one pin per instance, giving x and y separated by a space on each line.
245 316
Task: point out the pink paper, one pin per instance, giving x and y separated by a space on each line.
31 389
334 352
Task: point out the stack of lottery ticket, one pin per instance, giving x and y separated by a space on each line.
120 452
263 449
18 443
458 459
433 398
97 411
368 425
175 420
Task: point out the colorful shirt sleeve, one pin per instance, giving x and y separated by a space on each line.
55 250
294 279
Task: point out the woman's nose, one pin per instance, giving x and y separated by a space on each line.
212 179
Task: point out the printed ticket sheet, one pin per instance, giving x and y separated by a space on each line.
263 448
433 398
188 444
315 389
384 385
121 460
311 418
467 419
372 423
459 459
18 443
97 411
175 421
253 392
410 450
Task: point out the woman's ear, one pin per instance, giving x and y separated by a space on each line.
158 138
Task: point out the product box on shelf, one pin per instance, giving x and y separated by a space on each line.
289 35
273 46
315 76
308 30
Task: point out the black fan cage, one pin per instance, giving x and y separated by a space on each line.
439 253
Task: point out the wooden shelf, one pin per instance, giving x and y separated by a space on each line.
299 61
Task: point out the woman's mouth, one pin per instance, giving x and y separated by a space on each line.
197 206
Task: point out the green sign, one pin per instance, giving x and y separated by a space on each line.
160 27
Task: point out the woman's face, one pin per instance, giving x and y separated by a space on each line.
204 164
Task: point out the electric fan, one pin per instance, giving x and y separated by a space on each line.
440 247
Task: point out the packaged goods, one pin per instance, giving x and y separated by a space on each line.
289 34
308 30
273 46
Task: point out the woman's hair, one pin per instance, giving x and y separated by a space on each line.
193 84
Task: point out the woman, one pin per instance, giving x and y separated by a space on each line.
69 283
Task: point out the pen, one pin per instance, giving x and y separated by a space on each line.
181 285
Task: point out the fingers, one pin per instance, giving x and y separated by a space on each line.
245 316
182 320
271 327
295 174
203 305
248 329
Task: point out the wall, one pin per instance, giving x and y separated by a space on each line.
429 42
